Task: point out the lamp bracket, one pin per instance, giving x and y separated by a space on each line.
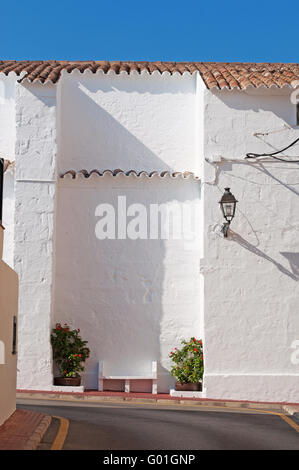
224 228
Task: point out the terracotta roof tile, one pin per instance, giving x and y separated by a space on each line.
221 75
72 174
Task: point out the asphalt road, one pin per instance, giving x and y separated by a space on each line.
154 427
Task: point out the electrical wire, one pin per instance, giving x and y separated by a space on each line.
274 154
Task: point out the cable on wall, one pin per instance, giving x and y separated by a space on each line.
274 154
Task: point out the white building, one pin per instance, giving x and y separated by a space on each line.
8 336
134 300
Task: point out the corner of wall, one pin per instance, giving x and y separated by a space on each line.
35 190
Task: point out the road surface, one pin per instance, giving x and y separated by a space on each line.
104 426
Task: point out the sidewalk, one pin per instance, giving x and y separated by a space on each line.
23 430
95 396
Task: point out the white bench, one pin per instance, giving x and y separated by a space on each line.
127 378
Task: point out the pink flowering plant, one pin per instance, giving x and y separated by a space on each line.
69 350
188 362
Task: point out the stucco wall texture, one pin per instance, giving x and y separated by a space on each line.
251 317
34 230
7 149
135 300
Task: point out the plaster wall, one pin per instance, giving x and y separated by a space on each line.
141 122
8 215
145 295
101 122
134 294
34 226
251 279
7 116
8 361
7 151
133 300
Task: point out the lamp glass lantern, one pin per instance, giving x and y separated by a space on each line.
228 204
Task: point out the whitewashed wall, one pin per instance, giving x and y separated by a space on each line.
7 151
8 215
7 116
141 122
248 296
34 225
133 300
251 278
144 123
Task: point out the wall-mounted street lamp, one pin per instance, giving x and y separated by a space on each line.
228 204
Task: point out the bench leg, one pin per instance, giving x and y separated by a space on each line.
127 386
100 376
101 385
154 387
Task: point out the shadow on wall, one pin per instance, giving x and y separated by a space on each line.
129 297
276 104
293 259
267 122
128 304
130 134
288 169
295 166
253 249
228 166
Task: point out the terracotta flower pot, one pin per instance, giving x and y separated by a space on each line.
196 387
67 381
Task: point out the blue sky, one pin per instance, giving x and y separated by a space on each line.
154 30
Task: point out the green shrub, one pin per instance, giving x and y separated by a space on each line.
69 351
188 362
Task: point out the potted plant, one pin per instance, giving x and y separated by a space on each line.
69 353
188 365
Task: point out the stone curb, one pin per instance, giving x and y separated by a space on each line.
37 435
276 407
291 410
